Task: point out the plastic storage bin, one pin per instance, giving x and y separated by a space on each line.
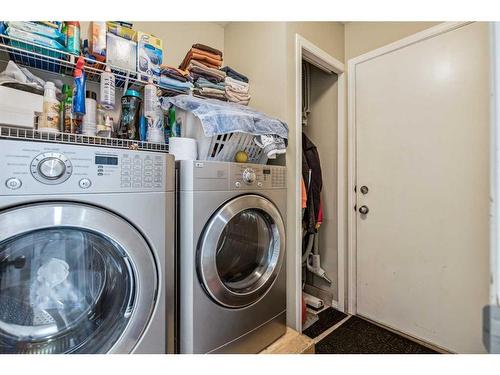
29 58
221 147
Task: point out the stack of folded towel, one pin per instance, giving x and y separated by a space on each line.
203 63
209 89
174 79
207 55
237 87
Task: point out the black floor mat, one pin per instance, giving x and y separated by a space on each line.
358 336
327 318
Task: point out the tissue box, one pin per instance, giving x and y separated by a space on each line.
19 108
149 54
121 53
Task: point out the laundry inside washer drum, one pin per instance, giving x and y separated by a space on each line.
63 290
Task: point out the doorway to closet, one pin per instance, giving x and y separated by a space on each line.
320 125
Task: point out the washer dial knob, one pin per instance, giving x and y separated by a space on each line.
51 168
249 175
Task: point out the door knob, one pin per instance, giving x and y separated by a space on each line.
364 189
363 210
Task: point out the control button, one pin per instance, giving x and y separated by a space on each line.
84 183
237 184
13 183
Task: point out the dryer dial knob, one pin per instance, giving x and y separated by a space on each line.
51 168
249 175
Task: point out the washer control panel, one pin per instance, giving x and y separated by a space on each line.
46 168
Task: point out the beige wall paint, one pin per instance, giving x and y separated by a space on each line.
362 37
258 50
329 36
178 37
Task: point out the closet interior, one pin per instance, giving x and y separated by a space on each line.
319 191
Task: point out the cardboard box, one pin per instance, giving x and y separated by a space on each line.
120 30
149 54
121 53
19 108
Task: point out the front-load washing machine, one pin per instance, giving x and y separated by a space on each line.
232 256
86 249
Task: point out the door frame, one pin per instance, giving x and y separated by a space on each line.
308 51
352 144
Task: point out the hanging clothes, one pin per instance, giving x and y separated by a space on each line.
304 193
311 173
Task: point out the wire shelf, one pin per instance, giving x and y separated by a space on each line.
79 139
55 61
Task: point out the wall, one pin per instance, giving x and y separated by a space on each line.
258 50
177 37
362 37
322 131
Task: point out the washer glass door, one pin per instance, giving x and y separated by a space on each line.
64 288
241 251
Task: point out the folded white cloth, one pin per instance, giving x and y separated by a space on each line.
236 96
236 85
237 91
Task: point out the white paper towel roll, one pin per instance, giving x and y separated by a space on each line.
183 148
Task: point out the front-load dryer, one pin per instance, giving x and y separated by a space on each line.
232 256
86 249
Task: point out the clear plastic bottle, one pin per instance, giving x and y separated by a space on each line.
89 121
150 100
49 121
107 89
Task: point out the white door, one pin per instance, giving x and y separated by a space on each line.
422 123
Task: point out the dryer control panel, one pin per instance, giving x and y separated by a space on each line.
256 176
221 176
49 168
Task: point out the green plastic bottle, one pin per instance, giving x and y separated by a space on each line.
69 121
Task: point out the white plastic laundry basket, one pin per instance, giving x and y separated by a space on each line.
222 147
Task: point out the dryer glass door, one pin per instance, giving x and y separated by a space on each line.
242 250
66 287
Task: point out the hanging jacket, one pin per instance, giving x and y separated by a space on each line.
314 185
